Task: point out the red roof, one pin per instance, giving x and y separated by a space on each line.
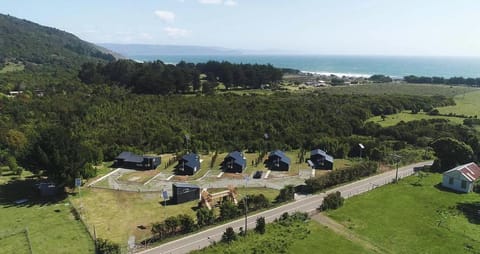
471 171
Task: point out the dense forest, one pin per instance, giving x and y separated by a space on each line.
65 133
159 78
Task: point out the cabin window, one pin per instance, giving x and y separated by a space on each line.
450 181
464 184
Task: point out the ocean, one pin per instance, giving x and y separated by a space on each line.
394 66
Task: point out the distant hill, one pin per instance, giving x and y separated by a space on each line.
159 50
22 41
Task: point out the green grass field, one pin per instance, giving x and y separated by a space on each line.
392 88
406 116
319 240
116 215
467 104
51 225
414 216
15 243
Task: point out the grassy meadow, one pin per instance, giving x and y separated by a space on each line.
319 240
415 216
467 103
51 226
399 88
116 215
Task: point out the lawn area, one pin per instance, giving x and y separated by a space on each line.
15 243
414 216
51 225
139 177
466 104
116 215
323 240
402 88
318 240
407 116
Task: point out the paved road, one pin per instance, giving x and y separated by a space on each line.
304 204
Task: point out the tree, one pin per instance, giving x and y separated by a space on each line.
287 193
205 217
332 201
105 246
172 224
228 210
186 223
16 141
450 153
229 235
260 227
159 230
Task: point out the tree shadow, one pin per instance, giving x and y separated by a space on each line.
24 193
471 211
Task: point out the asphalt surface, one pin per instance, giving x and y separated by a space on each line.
307 204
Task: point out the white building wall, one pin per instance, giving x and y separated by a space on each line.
457 181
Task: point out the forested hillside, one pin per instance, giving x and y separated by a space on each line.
33 44
44 56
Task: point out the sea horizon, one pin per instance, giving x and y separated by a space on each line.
346 65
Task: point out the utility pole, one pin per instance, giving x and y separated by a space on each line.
396 159
246 207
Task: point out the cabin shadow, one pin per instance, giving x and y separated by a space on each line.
471 211
24 193
440 187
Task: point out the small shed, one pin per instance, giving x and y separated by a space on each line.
234 162
278 161
461 178
134 161
189 164
184 192
319 159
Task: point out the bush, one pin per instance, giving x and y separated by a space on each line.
287 193
260 227
104 246
332 201
228 210
341 176
229 235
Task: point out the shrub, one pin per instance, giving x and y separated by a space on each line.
332 201
229 235
260 227
287 193
341 176
104 246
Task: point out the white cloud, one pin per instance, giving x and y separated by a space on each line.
210 1
176 32
165 16
230 3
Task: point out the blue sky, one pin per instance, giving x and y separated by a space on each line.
365 27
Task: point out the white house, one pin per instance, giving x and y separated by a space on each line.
461 178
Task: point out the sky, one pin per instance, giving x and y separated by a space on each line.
334 27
